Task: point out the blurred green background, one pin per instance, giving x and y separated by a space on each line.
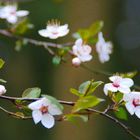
32 66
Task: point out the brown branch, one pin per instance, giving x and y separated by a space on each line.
90 110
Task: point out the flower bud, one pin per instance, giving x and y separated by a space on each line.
76 62
2 89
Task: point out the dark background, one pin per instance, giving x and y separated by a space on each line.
32 66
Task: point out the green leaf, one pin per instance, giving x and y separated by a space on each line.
95 28
63 51
56 60
117 97
3 81
75 92
84 33
129 74
32 93
94 86
89 87
22 26
121 114
1 63
74 117
54 101
86 102
84 87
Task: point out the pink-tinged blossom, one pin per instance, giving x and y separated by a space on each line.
132 103
104 49
10 13
54 30
82 52
118 84
2 89
43 110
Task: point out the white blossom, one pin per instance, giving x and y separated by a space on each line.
118 84
43 110
104 49
54 30
81 51
10 13
2 89
133 103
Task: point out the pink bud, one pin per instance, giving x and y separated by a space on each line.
76 62
2 89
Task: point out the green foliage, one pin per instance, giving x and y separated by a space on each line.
88 33
117 97
75 92
22 27
63 51
74 117
88 87
129 74
121 113
32 93
3 81
54 101
56 60
86 102
1 63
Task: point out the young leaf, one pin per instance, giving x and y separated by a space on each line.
117 97
74 117
96 27
3 81
94 86
121 114
75 92
129 74
54 101
86 102
56 60
84 87
89 87
1 63
32 93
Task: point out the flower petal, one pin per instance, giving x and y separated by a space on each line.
114 78
54 110
109 87
43 33
12 19
47 121
127 82
137 112
22 13
130 107
124 89
37 116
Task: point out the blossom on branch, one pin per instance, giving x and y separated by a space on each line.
2 89
10 13
133 103
104 49
43 110
118 84
54 30
82 52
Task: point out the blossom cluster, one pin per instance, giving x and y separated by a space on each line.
123 85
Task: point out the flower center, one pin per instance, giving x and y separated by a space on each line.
116 85
136 102
55 33
44 109
13 12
